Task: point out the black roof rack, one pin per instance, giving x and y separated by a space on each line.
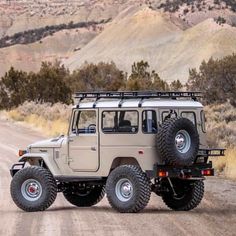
137 94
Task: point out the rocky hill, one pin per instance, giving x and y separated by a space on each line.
159 39
172 35
21 15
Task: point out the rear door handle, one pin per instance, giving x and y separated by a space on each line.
93 148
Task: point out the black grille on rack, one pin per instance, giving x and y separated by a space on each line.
137 94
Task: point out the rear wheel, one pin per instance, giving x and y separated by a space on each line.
185 194
84 196
33 189
128 189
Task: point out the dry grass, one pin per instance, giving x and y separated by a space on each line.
221 132
51 120
226 165
221 125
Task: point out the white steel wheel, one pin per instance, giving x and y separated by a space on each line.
31 190
124 190
182 141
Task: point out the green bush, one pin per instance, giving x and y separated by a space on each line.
217 79
142 79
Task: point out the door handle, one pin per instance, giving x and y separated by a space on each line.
93 148
71 140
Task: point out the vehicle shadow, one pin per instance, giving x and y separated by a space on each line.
210 211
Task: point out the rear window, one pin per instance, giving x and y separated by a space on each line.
189 115
149 122
120 121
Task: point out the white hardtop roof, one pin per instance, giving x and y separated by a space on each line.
135 103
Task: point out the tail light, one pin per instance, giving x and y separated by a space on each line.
163 173
208 172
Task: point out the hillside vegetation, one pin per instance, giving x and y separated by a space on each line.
54 83
34 35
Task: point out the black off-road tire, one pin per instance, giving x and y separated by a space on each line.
140 184
166 145
90 198
48 188
185 200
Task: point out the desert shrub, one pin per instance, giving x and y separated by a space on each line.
14 87
142 79
217 79
220 20
176 85
48 85
221 125
96 77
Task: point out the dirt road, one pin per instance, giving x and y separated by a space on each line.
215 216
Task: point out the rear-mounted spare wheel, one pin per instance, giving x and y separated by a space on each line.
178 142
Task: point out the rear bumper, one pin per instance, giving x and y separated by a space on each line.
199 169
195 171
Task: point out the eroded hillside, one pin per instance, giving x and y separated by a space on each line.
172 35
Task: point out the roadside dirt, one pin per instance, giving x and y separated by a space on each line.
216 215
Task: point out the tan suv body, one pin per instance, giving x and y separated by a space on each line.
121 129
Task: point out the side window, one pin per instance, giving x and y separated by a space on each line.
203 121
168 114
120 121
164 115
149 122
84 122
189 115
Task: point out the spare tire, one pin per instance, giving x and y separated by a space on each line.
178 142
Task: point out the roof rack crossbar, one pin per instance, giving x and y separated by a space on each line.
137 94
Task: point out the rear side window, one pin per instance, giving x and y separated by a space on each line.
203 121
120 121
168 114
149 122
189 115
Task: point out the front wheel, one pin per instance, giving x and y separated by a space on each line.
33 189
185 194
128 189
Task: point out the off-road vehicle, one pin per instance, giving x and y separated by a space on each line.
124 144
